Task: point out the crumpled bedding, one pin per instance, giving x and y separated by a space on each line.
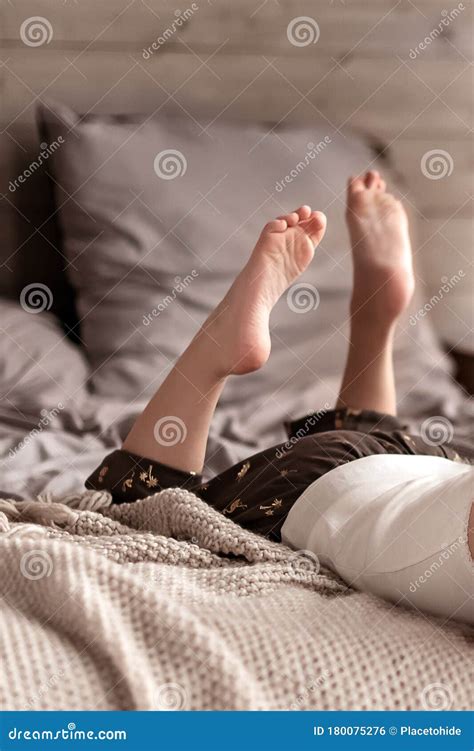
167 604
54 431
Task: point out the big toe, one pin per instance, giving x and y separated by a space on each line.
315 226
371 179
355 186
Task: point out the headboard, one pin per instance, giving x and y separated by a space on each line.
396 71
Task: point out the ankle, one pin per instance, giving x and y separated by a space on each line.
379 309
202 361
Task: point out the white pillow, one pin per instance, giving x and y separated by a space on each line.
395 526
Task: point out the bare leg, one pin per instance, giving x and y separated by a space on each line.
174 427
383 286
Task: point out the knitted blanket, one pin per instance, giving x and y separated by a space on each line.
167 604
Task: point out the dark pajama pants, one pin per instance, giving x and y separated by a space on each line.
259 492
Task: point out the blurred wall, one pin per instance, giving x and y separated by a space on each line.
397 71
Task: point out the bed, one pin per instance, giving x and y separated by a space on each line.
140 223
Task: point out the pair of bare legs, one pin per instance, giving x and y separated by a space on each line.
235 339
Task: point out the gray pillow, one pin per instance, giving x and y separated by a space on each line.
39 367
157 218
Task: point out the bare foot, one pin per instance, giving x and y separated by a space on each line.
239 326
381 249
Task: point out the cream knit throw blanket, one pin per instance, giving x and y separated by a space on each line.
166 604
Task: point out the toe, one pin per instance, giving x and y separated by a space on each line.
276 225
315 226
371 179
290 219
355 185
304 212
